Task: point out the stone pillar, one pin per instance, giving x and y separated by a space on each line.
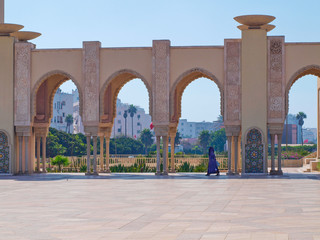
95 155
26 142
1 11
158 156
318 118
235 139
101 153
44 157
165 155
272 171
172 139
279 154
229 155
107 154
20 154
38 153
88 155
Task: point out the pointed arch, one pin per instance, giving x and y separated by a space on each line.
307 70
58 77
5 152
111 88
180 85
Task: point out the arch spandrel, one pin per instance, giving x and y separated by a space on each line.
180 85
48 84
110 90
312 69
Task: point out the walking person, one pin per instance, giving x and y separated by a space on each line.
212 164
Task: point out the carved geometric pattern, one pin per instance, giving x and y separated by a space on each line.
4 153
276 106
254 152
232 81
160 83
22 83
91 70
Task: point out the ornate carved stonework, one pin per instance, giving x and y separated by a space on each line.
160 81
22 83
91 81
232 89
276 106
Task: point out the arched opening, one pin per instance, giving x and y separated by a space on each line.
125 112
56 115
5 162
300 126
196 112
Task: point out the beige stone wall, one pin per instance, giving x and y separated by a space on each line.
7 92
300 55
46 61
183 59
113 60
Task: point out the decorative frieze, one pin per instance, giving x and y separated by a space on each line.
276 103
232 89
91 82
161 81
22 83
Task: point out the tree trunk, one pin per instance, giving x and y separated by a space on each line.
132 126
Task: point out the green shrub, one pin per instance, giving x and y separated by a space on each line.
83 168
60 161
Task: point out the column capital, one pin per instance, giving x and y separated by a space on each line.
275 128
233 130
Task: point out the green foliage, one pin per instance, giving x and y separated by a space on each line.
83 168
204 140
125 145
300 116
62 143
185 167
318 166
60 161
218 139
146 139
141 167
132 111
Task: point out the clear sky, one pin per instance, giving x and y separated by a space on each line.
127 23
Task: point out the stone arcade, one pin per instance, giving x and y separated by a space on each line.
254 75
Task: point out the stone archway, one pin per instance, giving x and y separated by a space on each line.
111 89
4 153
180 85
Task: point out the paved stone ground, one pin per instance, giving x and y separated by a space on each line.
145 206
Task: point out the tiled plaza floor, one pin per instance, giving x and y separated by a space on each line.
145 206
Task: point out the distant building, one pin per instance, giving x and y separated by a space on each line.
141 120
62 106
77 121
309 134
193 129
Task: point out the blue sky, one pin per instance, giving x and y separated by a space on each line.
125 23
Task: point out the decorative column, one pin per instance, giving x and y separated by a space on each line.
101 153
107 154
95 155
229 155
158 156
20 153
44 157
38 153
272 171
26 142
279 154
235 139
165 155
88 155
172 139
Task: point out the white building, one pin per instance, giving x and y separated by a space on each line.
310 134
77 121
193 129
62 106
141 120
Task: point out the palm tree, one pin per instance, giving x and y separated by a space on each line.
125 115
300 116
138 116
132 110
69 121
146 139
204 140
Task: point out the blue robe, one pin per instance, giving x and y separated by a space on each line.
212 165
